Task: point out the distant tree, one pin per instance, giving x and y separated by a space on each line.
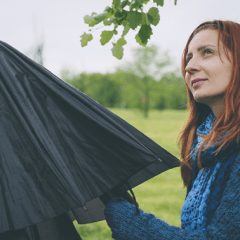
36 52
100 87
130 15
67 73
172 91
37 49
148 64
161 103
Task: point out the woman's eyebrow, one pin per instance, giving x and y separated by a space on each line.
199 49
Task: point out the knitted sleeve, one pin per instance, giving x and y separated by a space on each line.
125 224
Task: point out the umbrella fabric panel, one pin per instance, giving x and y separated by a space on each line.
59 148
59 228
93 210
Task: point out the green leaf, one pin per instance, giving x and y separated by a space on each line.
90 20
115 32
135 19
108 9
175 2
110 21
124 23
115 25
135 4
123 4
142 1
144 33
116 3
138 40
106 37
117 51
85 39
154 13
145 18
138 4
125 30
107 22
121 42
121 16
159 2
100 17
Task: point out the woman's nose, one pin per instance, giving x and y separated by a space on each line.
192 66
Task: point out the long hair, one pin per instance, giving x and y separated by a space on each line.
229 119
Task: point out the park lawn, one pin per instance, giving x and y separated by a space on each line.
162 195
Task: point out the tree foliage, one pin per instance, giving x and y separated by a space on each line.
121 90
130 15
149 81
148 64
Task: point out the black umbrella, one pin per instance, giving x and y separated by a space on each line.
63 155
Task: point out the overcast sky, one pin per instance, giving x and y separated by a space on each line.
61 24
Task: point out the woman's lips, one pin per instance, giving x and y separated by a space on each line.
198 82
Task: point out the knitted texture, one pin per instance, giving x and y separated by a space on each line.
206 193
193 215
218 204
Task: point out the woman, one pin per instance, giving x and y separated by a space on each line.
209 145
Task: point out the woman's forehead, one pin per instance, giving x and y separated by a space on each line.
204 38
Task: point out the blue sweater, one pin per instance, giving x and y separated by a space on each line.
211 209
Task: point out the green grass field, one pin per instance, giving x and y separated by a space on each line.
162 195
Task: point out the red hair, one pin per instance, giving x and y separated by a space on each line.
229 119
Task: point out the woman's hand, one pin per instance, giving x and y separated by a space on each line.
118 213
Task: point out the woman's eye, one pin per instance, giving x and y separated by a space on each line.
187 60
207 52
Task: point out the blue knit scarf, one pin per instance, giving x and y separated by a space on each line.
207 186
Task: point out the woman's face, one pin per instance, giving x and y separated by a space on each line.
204 65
